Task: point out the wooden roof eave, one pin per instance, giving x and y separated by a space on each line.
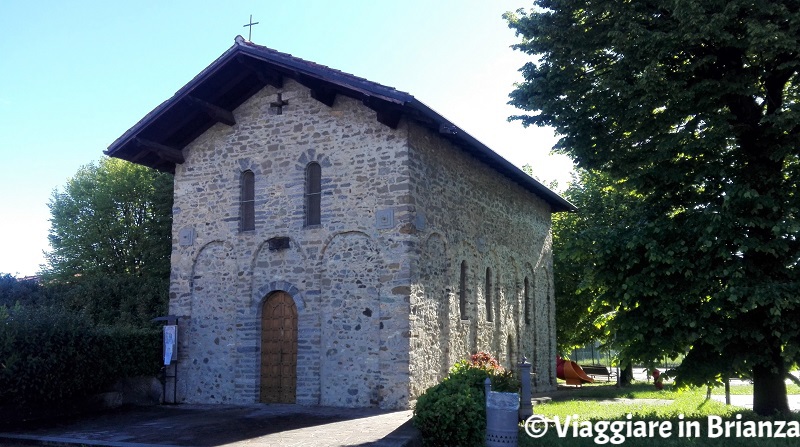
128 137
270 67
387 104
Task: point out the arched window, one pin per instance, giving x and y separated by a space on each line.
527 297
462 292
247 210
313 193
488 294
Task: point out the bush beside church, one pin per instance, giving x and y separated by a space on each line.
52 360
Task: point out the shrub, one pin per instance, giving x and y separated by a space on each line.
129 351
453 412
46 355
502 379
49 355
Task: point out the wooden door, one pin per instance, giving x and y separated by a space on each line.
279 349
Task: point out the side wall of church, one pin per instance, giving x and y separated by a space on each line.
349 276
480 237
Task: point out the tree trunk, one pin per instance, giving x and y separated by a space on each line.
769 390
626 375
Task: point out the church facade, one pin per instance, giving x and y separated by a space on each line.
336 242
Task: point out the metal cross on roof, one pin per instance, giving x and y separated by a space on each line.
250 33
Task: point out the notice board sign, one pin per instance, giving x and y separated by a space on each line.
170 343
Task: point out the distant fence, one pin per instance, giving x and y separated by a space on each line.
593 354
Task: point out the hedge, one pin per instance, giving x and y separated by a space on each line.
50 355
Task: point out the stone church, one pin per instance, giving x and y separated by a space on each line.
337 242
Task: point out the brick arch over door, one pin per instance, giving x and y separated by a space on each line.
275 286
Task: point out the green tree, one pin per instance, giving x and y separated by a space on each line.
691 106
584 312
581 314
25 292
110 241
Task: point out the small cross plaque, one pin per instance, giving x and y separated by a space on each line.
277 107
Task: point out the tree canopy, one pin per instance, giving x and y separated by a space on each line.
110 239
691 107
581 312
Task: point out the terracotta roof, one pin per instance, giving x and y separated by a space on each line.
244 69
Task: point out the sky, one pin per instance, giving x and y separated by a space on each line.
76 75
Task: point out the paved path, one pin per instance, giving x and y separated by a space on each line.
746 401
227 425
254 425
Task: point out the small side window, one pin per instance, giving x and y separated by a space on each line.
527 297
247 212
488 294
462 293
313 194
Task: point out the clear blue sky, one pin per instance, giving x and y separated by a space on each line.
75 75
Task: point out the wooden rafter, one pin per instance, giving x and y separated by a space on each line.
215 112
164 152
267 77
389 118
319 90
387 114
323 95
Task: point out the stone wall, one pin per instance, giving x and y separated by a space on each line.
465 212
349 276
377 284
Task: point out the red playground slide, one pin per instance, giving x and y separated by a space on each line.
571 372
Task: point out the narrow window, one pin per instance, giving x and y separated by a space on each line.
313 193
488 294
527 297
510 353
462 293
248 201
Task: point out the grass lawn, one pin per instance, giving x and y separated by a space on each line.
649 406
